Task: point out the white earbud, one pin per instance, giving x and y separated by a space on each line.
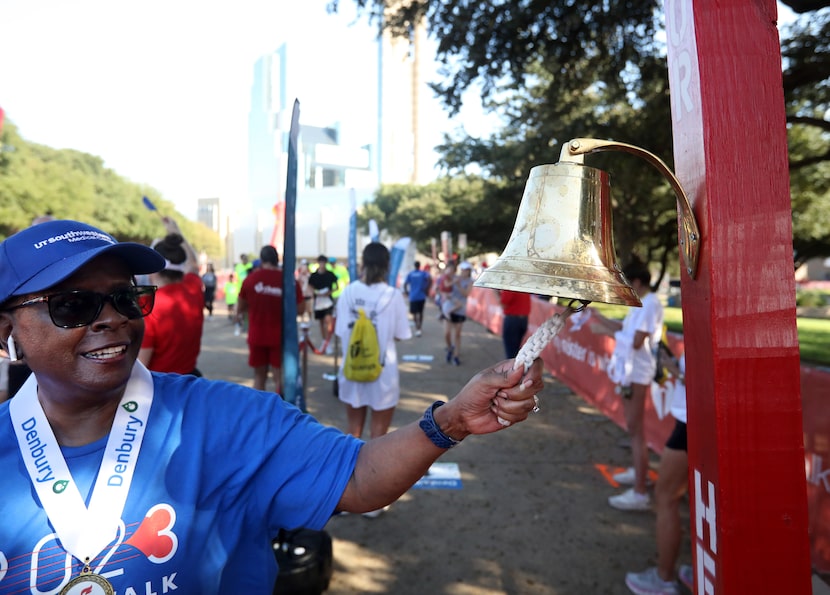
12 349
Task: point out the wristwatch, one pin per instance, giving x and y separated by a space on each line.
433 432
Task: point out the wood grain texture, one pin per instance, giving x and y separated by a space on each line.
745 426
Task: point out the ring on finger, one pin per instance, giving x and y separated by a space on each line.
536 408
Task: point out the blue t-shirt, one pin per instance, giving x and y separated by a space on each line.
417 282
222 468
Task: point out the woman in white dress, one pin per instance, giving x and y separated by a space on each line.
385 306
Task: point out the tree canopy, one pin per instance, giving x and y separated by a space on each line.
68 184
560 69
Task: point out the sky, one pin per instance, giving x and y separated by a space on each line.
160 89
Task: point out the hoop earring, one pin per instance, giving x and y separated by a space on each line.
12 349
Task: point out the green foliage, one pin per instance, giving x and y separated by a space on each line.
36 180
497 43
812 332
462 204
810 188
812 340
672 317
811 298
562 69
806 57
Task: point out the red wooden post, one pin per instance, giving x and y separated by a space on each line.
746 455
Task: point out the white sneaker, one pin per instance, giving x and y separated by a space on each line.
627 477
417 333
649 582
630 500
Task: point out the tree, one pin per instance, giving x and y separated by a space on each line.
497 42
559 69
811 204
36 179
456 204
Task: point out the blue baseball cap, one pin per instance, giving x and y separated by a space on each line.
43 255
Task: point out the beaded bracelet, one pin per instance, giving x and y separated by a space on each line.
433 432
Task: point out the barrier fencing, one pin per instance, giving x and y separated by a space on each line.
578 358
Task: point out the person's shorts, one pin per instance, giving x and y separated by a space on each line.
263 355
457 318
677 440
416 306
321 314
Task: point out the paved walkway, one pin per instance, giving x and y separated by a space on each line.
531 515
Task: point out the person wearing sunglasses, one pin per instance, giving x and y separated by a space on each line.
173 330
119 479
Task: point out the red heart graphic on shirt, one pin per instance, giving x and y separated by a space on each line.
154 537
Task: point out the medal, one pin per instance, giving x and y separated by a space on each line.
88 583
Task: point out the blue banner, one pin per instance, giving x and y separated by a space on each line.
396 260
292 383
353 238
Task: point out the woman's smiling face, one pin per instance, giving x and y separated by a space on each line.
85 362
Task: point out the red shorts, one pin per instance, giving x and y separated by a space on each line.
263 355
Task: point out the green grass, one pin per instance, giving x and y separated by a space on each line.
813 333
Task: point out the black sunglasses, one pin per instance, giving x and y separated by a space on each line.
73 309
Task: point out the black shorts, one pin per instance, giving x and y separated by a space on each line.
457 318
677 440
321 314
416 306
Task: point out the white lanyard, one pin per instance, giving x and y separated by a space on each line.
83 532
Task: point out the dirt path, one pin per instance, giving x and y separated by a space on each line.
531 516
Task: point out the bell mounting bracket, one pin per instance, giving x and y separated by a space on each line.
575 150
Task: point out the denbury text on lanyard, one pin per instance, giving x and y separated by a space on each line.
83 532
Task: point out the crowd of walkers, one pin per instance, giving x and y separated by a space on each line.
133 477
161 295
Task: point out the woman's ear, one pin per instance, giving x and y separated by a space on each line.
6 327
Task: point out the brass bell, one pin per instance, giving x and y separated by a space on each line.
562 243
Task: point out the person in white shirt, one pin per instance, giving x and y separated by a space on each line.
632 368
672 485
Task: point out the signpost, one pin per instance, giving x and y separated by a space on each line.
292 376
746 458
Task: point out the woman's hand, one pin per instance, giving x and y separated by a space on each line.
500 392
170 226
389 465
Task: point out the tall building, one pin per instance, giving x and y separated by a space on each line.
209 214
333 169
404 158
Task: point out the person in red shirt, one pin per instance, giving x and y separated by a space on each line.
173 331
261 298
516 307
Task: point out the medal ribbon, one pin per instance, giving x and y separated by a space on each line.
83 532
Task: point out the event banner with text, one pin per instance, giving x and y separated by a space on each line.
578 358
